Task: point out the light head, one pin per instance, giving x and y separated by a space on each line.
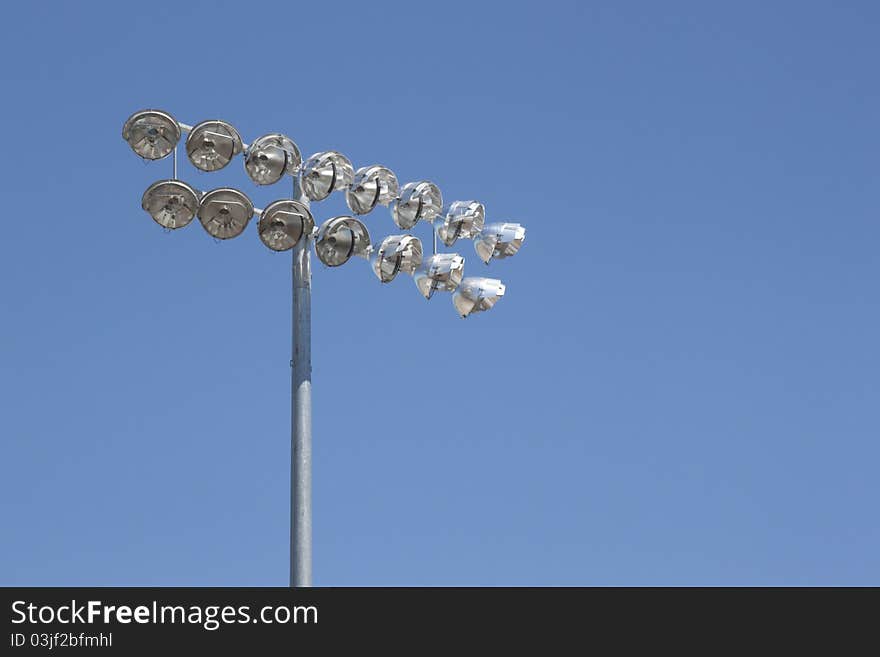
476 294
283 223
152 134
225 212
270 158
212 144
397 253
462 219
442 271
418 201
339 239
499 241
324 173
171 203
372 186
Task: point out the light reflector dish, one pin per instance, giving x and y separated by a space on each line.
476 294
339 239
225 212
418 201
372 186
397 253
442 271
270 158
498 241
324 173
283 223
152 134
171 203
212 144
462 219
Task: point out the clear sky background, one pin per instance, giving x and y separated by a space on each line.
680 386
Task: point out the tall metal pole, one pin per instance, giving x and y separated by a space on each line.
301 413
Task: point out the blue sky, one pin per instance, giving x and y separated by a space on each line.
680 386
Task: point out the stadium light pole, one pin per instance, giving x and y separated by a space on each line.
301 412
288 224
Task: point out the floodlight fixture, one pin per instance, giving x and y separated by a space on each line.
225 212
211 145
462 219
171 203
288 225
152 134
417 201
372 186
340 238
442 271
271 157
324 173
499 240
283 223
477 294
397 253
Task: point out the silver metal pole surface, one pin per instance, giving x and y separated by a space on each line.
301 413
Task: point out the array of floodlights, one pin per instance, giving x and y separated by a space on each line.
225 212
